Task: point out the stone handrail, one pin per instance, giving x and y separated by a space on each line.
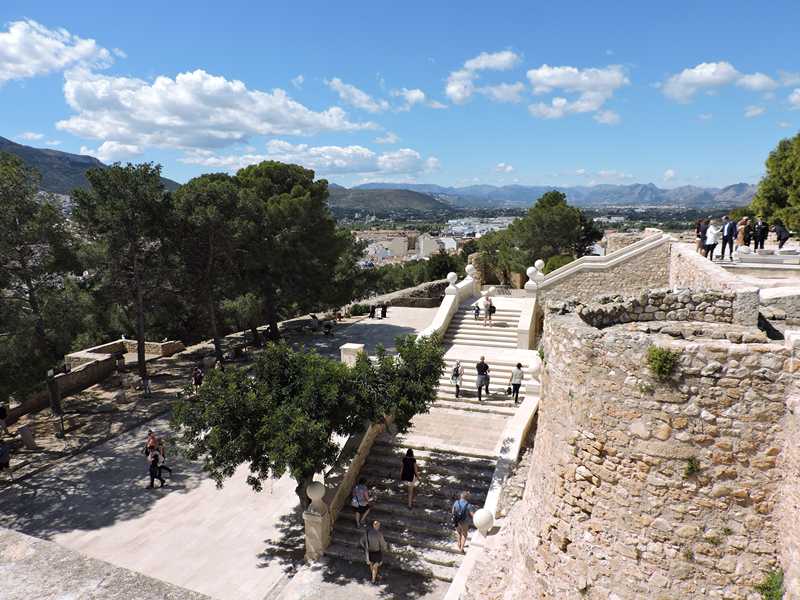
525 326
454 297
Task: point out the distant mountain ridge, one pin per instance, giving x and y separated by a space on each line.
61 172
382 201
490 196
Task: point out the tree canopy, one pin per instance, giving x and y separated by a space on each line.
778 194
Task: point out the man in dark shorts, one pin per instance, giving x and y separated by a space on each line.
483 377
374 546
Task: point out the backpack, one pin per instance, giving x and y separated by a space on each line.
460 516
492 309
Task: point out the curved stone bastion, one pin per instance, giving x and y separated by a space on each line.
676 488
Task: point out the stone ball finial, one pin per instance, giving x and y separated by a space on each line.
484 520
530 272
471 270
315 491
452 278
539 264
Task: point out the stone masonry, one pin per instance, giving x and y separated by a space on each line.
640 488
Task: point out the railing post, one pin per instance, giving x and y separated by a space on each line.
451 290
349 353
471 272
317 519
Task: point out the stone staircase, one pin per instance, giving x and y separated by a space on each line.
466 331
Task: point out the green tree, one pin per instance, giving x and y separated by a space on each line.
500 255
126 219
556 262
246 312
206 213
778 194
442 263
469 247
36 259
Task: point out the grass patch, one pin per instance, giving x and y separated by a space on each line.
772 586
662 362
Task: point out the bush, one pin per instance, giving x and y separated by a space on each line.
556 262
692 466
772 586
359 309
662 362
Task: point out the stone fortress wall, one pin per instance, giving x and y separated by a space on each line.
614 508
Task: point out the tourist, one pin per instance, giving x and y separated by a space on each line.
154 460
488 311
371 311
516 382
461 513
712 238
483 377
146 386
476 311
409 475
5 460
219 366
742 233
760 232
162 466
3 417
361 502
782 234
457 377
197 379
151 444
374 545
702 235
384 310
728 235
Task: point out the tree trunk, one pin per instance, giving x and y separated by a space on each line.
256 336
300 490
212 309
140 355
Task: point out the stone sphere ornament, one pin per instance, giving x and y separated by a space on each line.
484 520
316 491
452 278
531 273
539 264
470 269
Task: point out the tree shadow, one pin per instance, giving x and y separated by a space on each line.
394 584
288 545
369 333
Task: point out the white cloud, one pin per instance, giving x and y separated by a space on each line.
789 78
119 53
193 110
757 82
52 143
410 97
112 151
504 168
28 49
794 98
353 96
324 159
594 87
687 83
754 111
461 83
669 174
504 92
30 136
298 81
436 104
389 138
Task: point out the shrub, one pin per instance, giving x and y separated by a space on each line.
662 362
556 262
688 554
772 586
359 309
692 466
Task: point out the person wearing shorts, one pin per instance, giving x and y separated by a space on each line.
361 502
409 475
374 546
461 513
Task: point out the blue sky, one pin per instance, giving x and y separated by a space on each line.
507 92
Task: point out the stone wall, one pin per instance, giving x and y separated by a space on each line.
425 295
616 241
614 507
788 508
642 272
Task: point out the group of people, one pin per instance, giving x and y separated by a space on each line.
735 235
378 311
482 381
156 456
488 310
372 542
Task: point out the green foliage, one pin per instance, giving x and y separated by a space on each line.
771 588
727 531
662 362
556 262
500 255
541 354
778 194
714 540
469 247
688 554
441 263
359 309
692 467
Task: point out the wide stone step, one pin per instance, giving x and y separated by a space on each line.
432 470
401 562
436 488
398 451
457 341
479 407
507 320
487 335
424 519
397 535
420 547
407 440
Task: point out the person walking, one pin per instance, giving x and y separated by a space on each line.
384 310
760 232
361 502
488 310
457 377
712 238
702 235
742 233
374 545
151 444
197 379
476 311
461 512
515 380
409 475
153 460
782 233
728 235
3 417
483 377
162 465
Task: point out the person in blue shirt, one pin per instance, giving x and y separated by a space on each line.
462 512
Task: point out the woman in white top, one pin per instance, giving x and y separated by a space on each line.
712 238
516 381
457 377
487 311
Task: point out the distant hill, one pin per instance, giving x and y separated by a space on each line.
384 201
61 172
490 196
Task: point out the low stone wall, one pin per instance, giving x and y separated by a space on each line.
616 241
660 305
642 272
647 489
426 295
788 509
687 269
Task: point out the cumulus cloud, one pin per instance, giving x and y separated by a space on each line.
410 98
504 168
669 174
504 92
112 151
389 138
28 49
436 104
324 159
193 110
757 82
789 78
298 81
461 83
52 143
350 94
593 86
30 136
684 85
794 98
753 111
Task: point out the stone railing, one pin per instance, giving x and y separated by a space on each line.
159 349
454 295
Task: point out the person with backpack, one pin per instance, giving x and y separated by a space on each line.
462 512
457 377
476 312
483 377
361 502
154 462
374 545
488 311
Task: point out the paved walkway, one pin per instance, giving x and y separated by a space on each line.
229 544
